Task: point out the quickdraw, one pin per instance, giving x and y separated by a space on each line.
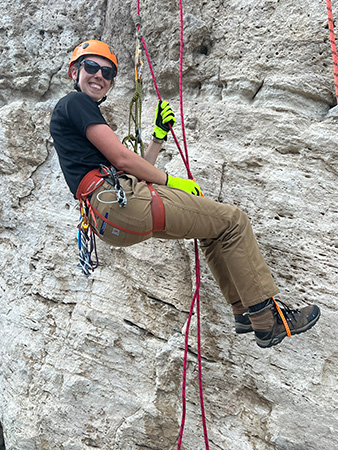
112 178
86 243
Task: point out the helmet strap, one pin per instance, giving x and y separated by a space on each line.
103 99
76 83
77 87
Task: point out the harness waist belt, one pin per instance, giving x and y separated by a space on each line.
95 178
91 181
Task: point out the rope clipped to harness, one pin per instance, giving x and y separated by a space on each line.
112 178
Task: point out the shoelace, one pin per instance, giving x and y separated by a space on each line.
284 315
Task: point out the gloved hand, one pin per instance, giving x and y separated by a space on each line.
189 186
164 116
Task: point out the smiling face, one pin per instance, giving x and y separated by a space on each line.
96 86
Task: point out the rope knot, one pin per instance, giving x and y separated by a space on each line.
137 22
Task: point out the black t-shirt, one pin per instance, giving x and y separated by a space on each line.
77 155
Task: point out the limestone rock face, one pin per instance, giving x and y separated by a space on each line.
97 362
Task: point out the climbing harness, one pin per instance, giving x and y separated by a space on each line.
196 298
135 107
333 45
86 235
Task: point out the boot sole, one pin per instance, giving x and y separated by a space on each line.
242 330
278 339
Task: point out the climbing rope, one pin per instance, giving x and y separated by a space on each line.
186 163
135 107
197 270
333 45
196 298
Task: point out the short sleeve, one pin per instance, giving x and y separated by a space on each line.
83 111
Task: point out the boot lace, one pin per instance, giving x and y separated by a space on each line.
289 314
285 315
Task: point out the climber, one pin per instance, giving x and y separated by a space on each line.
123 210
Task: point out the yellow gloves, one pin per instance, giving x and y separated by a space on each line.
189 186
163 118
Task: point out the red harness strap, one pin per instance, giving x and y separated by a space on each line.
157 210
91 181
95 179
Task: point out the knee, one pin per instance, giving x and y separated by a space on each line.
241 217
238 226
235 217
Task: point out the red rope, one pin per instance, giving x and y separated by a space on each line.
333 45
198 276
159 97
181 84
196 298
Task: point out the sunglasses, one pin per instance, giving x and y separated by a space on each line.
92 67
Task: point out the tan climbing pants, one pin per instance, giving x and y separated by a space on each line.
224 232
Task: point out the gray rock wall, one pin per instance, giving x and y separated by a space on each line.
97 362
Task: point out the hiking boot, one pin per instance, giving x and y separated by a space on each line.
242 321
269 327
243 324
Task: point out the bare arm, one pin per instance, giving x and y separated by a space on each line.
106 141
152 152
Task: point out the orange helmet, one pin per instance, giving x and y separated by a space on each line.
92 47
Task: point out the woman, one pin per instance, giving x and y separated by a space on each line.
125 210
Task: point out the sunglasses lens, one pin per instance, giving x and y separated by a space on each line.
92 67
108 72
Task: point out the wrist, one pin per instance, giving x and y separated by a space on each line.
157 140
159 133
170 180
